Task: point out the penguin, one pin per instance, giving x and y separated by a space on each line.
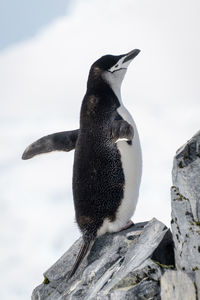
107 160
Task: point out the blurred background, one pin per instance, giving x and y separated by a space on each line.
46 49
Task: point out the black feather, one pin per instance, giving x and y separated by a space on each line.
86 245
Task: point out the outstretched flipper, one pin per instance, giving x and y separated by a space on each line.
122 131
61 141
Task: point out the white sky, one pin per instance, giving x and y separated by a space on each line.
43 81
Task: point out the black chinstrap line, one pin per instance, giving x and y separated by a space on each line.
116 70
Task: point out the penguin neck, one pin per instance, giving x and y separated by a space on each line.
99 100
115 85
103 90
117 91
104 84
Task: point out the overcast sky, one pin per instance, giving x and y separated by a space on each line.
43 77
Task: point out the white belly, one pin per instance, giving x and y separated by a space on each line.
131 158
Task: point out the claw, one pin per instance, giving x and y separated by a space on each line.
128 224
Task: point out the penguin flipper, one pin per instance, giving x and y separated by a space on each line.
60 141
85 247
122 130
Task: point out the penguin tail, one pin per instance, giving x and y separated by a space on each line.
85 247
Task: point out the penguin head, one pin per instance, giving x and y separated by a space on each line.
111 68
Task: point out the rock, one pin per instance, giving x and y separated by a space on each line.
186 205
186 233
119 266
184 283
197 283
178 285
186 173
146 289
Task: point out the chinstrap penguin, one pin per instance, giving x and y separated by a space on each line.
108 161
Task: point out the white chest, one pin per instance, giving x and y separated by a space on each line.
131 158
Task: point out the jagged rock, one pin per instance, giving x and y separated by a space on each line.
186 173
119 266
186 205
184 283
186 233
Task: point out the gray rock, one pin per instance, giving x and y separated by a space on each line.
186 205
177 285
146 289
186 233
119 266
197 283
184 283
186 173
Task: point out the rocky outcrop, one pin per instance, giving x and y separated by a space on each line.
138 263
119 266
184 283
186 205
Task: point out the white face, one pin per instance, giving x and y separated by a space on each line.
115 75
120 65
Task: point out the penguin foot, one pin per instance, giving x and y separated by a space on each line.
128 224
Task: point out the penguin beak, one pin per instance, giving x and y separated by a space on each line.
130 56
124 61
